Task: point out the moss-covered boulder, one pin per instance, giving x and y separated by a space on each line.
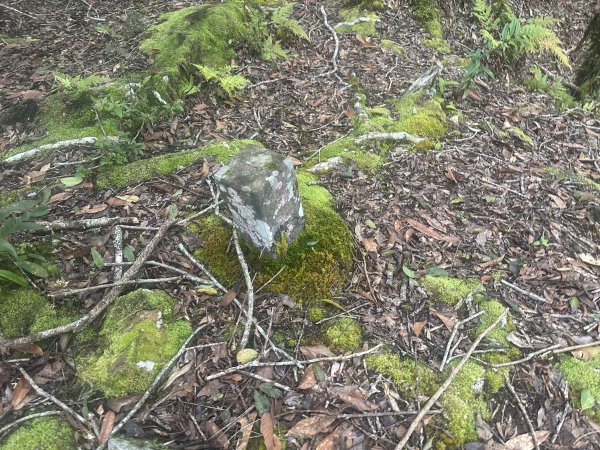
25 310
44 433
204 34
138 336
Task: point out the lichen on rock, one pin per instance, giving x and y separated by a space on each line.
138 336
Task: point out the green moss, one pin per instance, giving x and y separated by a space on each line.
25 310
404 372
352 13
582 375
449 290
427 14
393 46
44 433
146 169
462 401
493 309
205 34
315 314
138 336
343 334
348 150
419 116
439 45
587 182
316 263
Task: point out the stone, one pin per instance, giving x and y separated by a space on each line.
261 191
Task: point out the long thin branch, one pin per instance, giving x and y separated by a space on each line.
69 293
26 418
523 412
84 224
105 302
337 45
397 136
524 292
249 290
10 8
434 398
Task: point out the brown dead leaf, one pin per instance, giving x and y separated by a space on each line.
430 231
266 429
370 244
216 438
89 209
229 296
449 322
20 392
114 201
490 263
331 441
308 379
246 424
418 327
315 351
586 353
33 349
364 42
31 93
295 161
108 423
450 175
524 441
353 396
60 197
559 202
590 259
311 426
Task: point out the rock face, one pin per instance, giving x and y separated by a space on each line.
261 191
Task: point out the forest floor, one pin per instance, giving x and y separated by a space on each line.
483 205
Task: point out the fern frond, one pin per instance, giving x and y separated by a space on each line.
272 50
482 10
233 84
538 37
282 13
281 19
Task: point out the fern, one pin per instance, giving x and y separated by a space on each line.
483 12
272 50
543 39
77 84
231 84
281 19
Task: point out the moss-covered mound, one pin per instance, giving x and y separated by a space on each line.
205 34
138 336
448 290
315 264
146 169
414 114
25 310
44 433
584 383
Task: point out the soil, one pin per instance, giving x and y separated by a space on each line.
512 220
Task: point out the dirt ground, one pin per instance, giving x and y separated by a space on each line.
483 203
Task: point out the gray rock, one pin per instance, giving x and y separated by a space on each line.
261 191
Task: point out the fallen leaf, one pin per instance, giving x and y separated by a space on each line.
331 441
590 259
246 424
308 379
560 203
129 198
31 93
311 426
430 231
315 351
108 422
586 353
364 42
34 349
418 327
114 201
88 209
524 441
229 296
266 429
218 439
60 197
370 244
449 322
20 392
353 396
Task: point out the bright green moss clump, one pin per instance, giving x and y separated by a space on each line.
343 334
138 336
427 13
449 290
352 13
582 376
25 310
44 433
404 373
205 34
146 169
420 116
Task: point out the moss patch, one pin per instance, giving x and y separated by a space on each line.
138 336
582 377
25 310
449 291
413 114
343 334
404 372
392 46
146 169
587 182
205 34
349 14
427 14
44 433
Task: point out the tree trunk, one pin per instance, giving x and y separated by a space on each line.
587 75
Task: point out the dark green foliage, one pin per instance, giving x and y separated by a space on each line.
16 260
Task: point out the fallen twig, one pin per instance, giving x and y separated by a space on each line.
337 45
444 386
53 399
71 292
249 290
457 325
266 380
398 136
10 8
523 291
153 386
118 243
523 411
356 22
101 306
85 224
23 156
26 418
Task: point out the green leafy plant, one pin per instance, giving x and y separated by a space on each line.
280 19
15 261
231 85
77 84
272 50
116 153
539 82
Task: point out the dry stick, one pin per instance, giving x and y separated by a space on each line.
53 399
10 8
457 325
337 45
257 363
69 293
397 136
84 224
153 386
523 411
266 380
101 306
361 415
526 358
26 418
183 273
523 291
249 290
449 380
118 242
